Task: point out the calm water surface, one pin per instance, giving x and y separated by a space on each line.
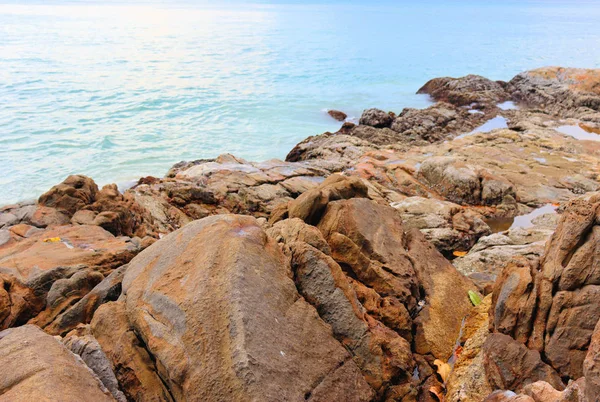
118 91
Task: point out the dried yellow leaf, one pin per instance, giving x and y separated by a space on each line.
443 369
52 240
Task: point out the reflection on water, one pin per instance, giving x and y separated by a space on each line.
508 105
580 132
492 124
524 221
499 224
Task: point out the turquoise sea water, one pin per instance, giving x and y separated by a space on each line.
117 91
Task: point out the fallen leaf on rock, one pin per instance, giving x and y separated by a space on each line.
52 240
474 297
459 253
443 369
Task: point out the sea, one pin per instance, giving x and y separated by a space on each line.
118 90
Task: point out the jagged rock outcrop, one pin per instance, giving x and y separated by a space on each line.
551 308
34 367
48 272
570 92
450 227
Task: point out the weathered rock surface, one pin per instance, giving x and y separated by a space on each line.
36 367
53 269
181 293
510 365
91 353
331 294
565 91
376 118
450 227
370 240
465 90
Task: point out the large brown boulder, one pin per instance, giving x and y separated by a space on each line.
36 367
465 90
216 309
384 357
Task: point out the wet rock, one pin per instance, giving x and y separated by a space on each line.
34 366
338 115
375 118
465 90
292 351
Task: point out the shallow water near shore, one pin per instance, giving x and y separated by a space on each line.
121 91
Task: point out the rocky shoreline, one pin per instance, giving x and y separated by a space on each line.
416 256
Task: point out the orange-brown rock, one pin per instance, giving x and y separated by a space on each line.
133 365
74 193
53 269
36 367
310 206
511 365
216 308
369 241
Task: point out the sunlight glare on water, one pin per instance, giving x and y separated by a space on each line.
119 91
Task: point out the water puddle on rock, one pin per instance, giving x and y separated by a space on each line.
508 105
492 124
580 131
523 221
